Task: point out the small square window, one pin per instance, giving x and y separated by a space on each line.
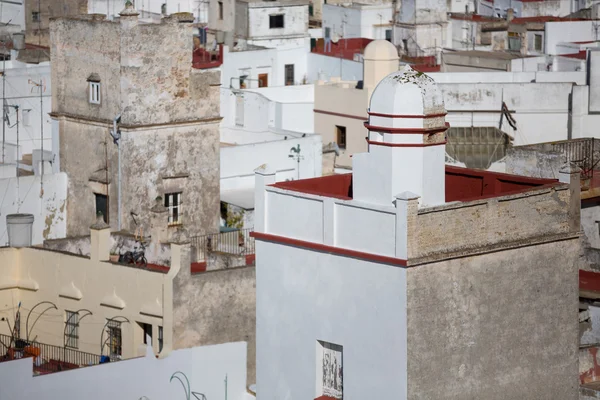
340 136
35 16
275 21
173 203
330 372
95 92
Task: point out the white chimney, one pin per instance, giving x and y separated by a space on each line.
406 141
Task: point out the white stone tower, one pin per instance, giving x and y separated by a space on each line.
406 142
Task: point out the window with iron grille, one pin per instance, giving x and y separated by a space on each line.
72 329
115 340
173 203
35 16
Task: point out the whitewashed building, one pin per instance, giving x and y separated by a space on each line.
274 24
357 20
370 283
265 126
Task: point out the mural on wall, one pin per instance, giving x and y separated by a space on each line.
332 370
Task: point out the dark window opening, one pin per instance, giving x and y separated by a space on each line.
173 204
220 10
160 338
388 35
341 136
276 21
102 206
35 16
289 74
147 330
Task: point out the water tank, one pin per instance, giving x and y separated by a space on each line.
220 37
19 228
18 41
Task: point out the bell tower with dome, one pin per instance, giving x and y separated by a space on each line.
406 142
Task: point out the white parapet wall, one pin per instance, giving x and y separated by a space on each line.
217 372
45 198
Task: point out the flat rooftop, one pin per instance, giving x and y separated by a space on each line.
498 55
462 184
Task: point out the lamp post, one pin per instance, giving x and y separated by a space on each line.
295 154
51 306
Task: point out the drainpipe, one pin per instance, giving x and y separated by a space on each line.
116 135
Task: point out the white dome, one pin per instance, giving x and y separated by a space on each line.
380 50
407 92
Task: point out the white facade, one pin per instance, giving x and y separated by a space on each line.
263 63
324 67
371 21
307 312
557 33
272 24
44 198
216 371
22 88
12 12
378 357
281 108
258 130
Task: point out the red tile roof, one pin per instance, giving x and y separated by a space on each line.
543 18
462 184
344 48
582 55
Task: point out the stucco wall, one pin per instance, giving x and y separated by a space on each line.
228 21
37 32
215 307
480 327
295 21
350 104
22 195
74 283
304 296
206 369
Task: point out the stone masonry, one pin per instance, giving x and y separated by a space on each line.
169 122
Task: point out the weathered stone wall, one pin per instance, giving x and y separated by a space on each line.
495 326
84 156
172 159
37 32
215 307
480 224
537 161
79 49
169 122
156 76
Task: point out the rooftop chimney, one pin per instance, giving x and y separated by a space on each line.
129 16
100 240
510 14
19 227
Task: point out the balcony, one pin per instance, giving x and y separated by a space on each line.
235 245
204 57
46 358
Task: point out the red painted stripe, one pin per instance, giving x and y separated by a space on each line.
340 115
406 116
421 131
405 144
328 249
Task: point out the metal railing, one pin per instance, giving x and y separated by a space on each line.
238 243
46 358
581 153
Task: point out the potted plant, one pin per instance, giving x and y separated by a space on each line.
114 255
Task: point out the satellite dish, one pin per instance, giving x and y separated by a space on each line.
335 38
